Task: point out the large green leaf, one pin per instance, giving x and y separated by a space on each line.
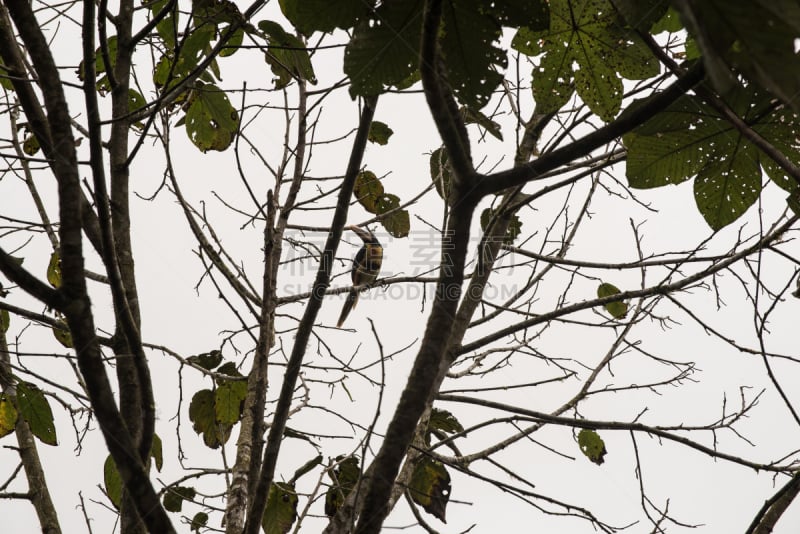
619 309
229 401
591 35
34 408
281 510
286 55
202 413
211 120
592 446
309 16
430 487
175 495
690 139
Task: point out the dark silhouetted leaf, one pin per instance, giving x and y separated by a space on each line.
207 360
514 225
175 495
344 478
199 520
5 321
156 452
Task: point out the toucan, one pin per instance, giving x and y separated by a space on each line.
366 267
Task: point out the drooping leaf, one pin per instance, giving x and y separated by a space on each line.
34 408
211 120
207 360
441 172
229 401
112 482
367 190
199 520
589 35
306 467
286 54
62 334
8 416
379 132
396 221
166 27
592 445
472 116
202 413
156 452
442 421
430 487
514 225
281 510
54 270
175 495
344 478
618 310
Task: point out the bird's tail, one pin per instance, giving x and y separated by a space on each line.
349 304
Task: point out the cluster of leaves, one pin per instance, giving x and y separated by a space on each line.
31 404
370 193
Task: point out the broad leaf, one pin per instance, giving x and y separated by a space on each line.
589 35
207 360
281 510
199 521
34 408
62 334
286 54
229 401
367 190
592 446
54 270
443 421
309 16
430 487
618 310
691 139
175 495
211 120
379 133
202 413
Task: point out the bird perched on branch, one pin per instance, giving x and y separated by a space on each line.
366 266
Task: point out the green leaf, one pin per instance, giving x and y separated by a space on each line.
344 479
384 49
30 145
8 416
367 190
514 225
670 22
281 510
441 172
287 55
590 35
641 14
156 452
199 520
202 413
306 467
211 120
443 421
618 310
793 202
5 321
592 446
691 139
112 481
397 223
229 401
752 38
207 360
430 487
54 270
228 369
63 335
34 408
379 133
309 16
166 27
175 495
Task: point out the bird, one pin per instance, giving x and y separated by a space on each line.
366 267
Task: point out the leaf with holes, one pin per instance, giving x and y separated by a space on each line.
211 120
379 132
618 310
430 487
367 190
592 446
281 510
589 35
34 408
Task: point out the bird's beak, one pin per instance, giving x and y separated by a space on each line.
365 235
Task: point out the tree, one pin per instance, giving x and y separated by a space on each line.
558 286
